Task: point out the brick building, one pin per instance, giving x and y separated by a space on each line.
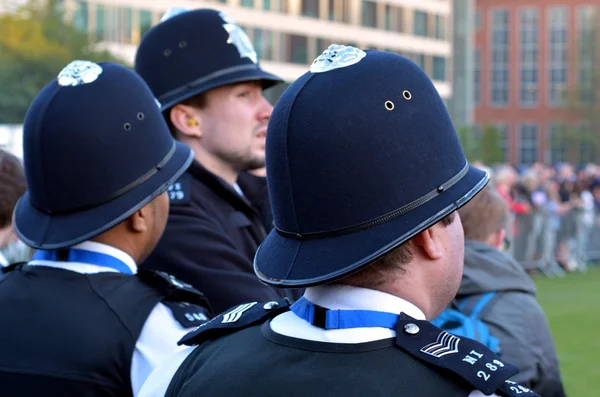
534 60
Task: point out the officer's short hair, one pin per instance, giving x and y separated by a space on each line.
486 214
12 185
380 272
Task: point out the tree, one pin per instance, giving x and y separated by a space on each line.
467 136
489 147
35 44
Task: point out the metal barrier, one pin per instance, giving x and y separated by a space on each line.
542 237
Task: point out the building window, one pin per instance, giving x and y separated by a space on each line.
387 14
440 27
100 19
337 11
272 94
504 140
477 19
477 76
529 21
247 3
399 18
557 145
529 143
558 55
263 43
369 14
500 57
310 8
588 138
419 59
439 68
126 25
145 21
420 24
267 5
587 31
80 19
298 49
322 45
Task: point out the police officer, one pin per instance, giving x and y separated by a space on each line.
204 70
12 187
79 319
364 193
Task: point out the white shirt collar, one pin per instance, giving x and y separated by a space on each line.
344 297
91 268
341 297
3 261
238 189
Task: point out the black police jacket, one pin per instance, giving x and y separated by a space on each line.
238 354
212 235
66 333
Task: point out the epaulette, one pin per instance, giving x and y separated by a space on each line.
180 192
11 267
188 305
467 358
235 319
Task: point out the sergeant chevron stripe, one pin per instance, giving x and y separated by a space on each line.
236 313
446 344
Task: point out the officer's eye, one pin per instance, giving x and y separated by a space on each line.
244 94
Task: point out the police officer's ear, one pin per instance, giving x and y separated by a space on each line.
141 220
186 120
429 242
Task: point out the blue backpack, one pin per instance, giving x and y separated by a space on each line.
461 321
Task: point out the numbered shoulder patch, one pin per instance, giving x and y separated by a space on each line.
180 191
188 314
469 359
235 319
512 389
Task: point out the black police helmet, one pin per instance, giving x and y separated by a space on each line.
96 149
192 52
361 156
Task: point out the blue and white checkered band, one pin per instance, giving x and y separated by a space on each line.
336 56
239 38
171 12
79 73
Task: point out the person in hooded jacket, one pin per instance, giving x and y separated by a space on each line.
513 315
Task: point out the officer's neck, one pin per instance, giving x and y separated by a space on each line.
126 242
216 165
411 288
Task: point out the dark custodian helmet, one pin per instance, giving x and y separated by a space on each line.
96 149
361 156
191 52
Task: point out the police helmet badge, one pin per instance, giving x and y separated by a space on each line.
238 38
78 73
171 12
336 56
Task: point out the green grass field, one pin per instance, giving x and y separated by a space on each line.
572 307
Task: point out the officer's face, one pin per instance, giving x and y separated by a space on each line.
234 125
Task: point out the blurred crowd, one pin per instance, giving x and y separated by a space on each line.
555 222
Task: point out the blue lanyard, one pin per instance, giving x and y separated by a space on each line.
342 319
83 256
